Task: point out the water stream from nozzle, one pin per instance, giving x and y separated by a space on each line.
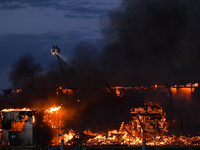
63 58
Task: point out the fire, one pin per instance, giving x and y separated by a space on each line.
184 91
33 117
52 116
68 137
195 84
145 123
17 109
188 85
120 90
53 109
16 91
148 123
17 126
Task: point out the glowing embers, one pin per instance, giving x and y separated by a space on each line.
118 90
17 126
16 91
110 138
65 91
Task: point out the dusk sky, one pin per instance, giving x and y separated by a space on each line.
125 42
35 26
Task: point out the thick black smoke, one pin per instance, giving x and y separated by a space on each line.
149 42
146 43
38 84
20 71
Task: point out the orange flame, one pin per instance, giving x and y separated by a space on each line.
33 117
17 109
69 136
53 109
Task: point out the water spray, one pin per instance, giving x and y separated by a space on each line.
56 51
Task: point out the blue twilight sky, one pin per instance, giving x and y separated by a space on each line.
35 26
125 42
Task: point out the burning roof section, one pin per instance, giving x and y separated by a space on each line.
177 90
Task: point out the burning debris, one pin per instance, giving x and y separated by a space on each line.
147 123
26 127
151 120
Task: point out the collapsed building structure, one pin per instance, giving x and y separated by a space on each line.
151 121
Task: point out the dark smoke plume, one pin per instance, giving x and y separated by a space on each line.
21 69
146 42
149 42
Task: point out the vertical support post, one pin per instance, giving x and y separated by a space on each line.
62 145
181 127
40 141
154 135
106 135
143 144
